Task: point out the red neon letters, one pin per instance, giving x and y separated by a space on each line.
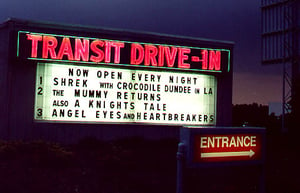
51 49
49 45
34 39
155 55
110 51
83 50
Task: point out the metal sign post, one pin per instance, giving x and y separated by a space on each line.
180 167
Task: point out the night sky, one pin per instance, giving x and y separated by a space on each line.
231 20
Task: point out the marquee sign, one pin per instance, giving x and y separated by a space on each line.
73 93
52 47
98 80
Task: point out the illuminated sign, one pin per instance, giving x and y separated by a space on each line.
223 145
97 94
51 47
218 148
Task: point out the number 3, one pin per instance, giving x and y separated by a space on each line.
39 112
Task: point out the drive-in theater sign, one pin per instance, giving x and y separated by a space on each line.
71 79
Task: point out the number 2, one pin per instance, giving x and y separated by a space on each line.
40 91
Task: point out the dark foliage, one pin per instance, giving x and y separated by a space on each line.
134 165
91 166
250 115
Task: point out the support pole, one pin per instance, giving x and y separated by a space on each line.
180 166
262 179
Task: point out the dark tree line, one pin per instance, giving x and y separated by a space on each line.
255 115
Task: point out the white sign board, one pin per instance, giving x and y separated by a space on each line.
104 94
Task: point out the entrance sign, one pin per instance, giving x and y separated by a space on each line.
237 147
97 94
206 145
